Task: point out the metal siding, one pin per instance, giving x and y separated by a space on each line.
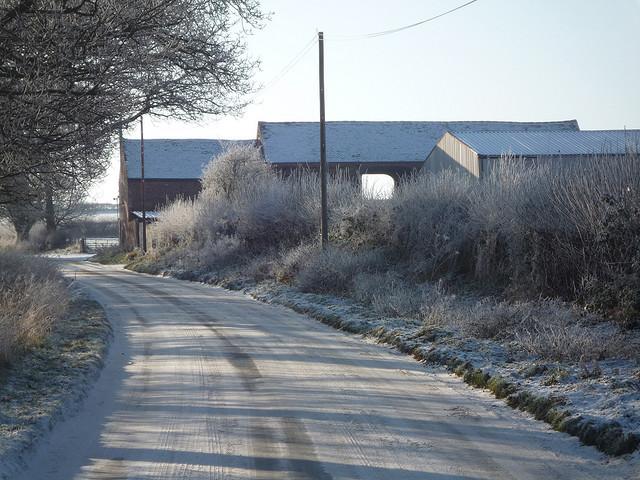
537 143
452 154
556 163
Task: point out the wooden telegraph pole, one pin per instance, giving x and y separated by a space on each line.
324 217
144 211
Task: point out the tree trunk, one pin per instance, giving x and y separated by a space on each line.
22 226
49 212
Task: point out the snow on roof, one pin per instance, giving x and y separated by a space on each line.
372 142
175 159
584 142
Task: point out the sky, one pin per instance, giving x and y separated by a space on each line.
518 60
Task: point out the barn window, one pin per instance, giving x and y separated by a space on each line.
377 185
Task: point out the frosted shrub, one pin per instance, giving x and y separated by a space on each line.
430 222
176 223
273 215
266 211
7 234
488 318
553 339
388 294
334 270
441 310
580 193
293 260
222 251
511 204
237 166
364 224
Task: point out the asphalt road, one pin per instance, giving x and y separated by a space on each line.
202 383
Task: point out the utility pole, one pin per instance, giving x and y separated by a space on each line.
324 216
144 211
120 236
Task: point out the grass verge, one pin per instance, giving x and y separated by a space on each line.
48 381
111 256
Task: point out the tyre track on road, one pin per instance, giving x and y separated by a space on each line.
298 443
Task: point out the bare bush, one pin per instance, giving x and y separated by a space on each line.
430 222
334 270
556 340
175 225
293 260
549 329
389 294
32 297
237 166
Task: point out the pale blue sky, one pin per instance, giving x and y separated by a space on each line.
526 60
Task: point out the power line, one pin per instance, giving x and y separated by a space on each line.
297 58
400 29
289 66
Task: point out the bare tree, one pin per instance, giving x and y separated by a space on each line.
73 72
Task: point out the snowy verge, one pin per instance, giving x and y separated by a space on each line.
48 383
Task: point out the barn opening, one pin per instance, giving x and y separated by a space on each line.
377 185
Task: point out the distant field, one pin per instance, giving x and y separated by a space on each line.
100 212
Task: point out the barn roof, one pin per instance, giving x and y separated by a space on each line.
172 158
534 143
372 142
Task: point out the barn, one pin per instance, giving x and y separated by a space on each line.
391 148
477 153
172 169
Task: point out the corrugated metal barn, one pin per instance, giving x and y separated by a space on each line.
391 148
172 169
478 153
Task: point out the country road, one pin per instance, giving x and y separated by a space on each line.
202 383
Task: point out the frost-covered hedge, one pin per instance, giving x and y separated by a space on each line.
524 231
32 297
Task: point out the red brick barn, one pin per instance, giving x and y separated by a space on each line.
172 169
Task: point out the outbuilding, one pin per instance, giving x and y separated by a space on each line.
477 153
391 148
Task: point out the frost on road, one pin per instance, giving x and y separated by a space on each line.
203 383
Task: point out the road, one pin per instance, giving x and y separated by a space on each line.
202 383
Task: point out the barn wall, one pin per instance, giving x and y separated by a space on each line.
451 154
159 192
396 170
556 162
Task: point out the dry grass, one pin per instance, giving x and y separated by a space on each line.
335 270
389 294
32 297
7 234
